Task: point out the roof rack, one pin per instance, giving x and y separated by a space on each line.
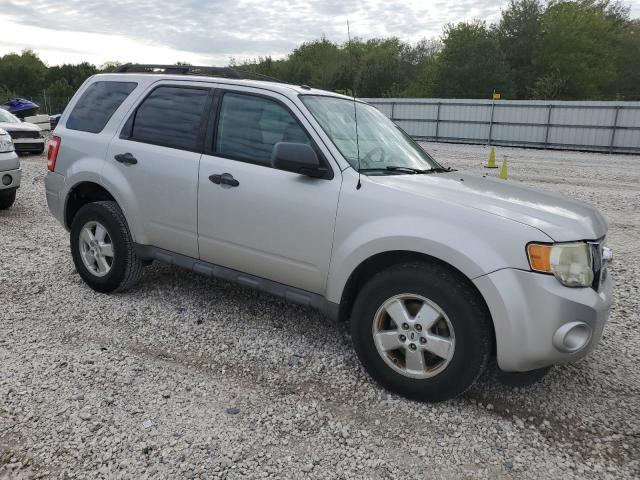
225 72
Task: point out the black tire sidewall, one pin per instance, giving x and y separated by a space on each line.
101 214
461 306
7 199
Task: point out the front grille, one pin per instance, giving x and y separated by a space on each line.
24 134
28 147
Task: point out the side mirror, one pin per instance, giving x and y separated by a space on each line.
297 158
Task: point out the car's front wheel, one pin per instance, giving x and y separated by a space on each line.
421 331
7 199
102 248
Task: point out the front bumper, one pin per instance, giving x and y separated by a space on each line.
28 144
12 176
529 308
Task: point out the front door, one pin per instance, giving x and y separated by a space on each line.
259 220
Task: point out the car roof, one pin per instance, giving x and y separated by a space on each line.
286 89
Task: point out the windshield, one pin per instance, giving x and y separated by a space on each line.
383 146
7 117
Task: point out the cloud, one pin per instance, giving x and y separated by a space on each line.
220 29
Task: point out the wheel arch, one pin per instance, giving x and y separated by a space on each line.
381 261
80 194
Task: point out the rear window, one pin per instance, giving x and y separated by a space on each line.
97 104
169 116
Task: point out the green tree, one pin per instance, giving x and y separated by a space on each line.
574 57
58 95
23 74
519 33
6 94
74 75
625 84
383 67
320 63
471 64
423 59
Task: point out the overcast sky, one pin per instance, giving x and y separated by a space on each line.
211 32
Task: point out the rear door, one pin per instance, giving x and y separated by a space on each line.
156 158
273 224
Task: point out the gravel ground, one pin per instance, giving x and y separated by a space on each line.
183 377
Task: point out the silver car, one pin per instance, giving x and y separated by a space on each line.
275 187
10 172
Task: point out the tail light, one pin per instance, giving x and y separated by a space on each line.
52 154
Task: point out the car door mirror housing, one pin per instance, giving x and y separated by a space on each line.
297 158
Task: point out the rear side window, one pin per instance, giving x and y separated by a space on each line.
169 116
250 126
97 104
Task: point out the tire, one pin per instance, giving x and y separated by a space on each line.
462 330
120 271
522 379
7 199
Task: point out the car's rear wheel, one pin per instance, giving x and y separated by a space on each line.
422 331
102 248
7 199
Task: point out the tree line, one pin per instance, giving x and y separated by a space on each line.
565 50
568 50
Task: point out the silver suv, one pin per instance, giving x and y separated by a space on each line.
275 187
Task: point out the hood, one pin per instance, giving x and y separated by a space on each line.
560 218
19 127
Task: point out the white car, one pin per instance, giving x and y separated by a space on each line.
10 172
27 137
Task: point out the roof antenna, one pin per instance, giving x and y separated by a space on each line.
355 111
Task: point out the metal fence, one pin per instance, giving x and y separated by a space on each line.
592 126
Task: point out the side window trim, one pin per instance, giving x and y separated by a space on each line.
126 131
212 134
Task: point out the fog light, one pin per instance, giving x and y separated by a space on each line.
6 179
572 337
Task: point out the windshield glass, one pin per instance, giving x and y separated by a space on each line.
384 147
7 117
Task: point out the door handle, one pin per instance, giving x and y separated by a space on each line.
224 179
126 158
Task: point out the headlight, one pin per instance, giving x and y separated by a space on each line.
570 263
6 144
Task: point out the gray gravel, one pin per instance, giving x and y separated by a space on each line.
183 377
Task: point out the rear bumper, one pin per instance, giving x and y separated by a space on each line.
54 186
532 312
13 177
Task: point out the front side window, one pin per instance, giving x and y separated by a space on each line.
380 146
97 104
250 126
171 117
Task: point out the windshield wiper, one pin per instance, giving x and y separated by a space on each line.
399 168
405 169
442 169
